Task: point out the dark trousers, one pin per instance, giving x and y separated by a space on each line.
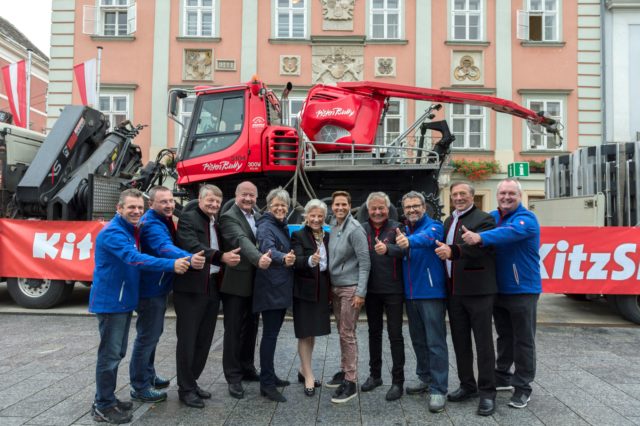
467 314
196 316
271 323
515 321
149 327
114 335
240 331
392 306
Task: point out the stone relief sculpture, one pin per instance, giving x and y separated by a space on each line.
290 65
338 65
385 67
198 64
466 69
337 15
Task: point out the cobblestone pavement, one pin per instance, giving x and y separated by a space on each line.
586 375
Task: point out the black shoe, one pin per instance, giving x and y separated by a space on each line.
191 399
203 393
345 392
160 383
519 399
370 384
421 387
395 392
461 394
316 383
236 390
124 405
336 381
309 391
273 394
280 383
251 376
113 415
486 407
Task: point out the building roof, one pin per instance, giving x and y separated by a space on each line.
7 30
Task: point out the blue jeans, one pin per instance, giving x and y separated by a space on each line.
114 334
428 333
271 323
149 327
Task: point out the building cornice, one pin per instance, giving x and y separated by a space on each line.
622 4
544 91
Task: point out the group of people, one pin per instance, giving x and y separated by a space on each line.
478 266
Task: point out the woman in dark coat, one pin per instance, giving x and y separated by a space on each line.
311 288
273 290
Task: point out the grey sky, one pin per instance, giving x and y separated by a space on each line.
32 18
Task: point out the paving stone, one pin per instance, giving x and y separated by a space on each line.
601 415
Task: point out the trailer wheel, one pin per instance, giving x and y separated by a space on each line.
629 307
36 293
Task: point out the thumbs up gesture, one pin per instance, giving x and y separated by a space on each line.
265 260
401 240
180 266
198 260
315 258
470 237
289 258
231 258
443 251
380 247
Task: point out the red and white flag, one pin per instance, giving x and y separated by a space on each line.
86 78
15 85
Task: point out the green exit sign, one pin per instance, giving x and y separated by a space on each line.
518 169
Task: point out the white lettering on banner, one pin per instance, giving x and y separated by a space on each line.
335 112
44 246
222 166
622 268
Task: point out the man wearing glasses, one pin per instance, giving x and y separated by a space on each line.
425 294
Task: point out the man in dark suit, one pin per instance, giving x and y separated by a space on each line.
238 226
195 295
471 289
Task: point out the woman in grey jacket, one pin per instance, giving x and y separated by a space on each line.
349 266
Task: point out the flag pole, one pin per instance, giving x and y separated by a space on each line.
28 72
99 66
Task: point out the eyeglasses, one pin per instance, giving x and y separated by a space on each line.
413 207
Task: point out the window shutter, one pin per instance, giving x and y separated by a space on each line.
89 20
131 19
522 25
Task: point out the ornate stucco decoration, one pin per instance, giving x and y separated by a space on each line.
198 64
333 64
337 15
466 69
290 64
385 66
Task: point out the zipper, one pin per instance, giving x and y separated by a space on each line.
430 280
160 282
515 274
121 292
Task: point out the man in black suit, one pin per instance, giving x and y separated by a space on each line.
195 294
238 226
471 290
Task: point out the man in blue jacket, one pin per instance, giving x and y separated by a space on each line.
157 236
516 240
114 296
425 293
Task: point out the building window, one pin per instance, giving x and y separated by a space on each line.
184 114
469 126
199 18
115 107
291 19
111 18
392 125
467 20
385 19
295 105
540 139
540 21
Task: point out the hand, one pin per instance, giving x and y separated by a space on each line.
265 260
198 260
470 238
380 247
401 240
443 251
180 266
289 258
315 258
357 302
231 258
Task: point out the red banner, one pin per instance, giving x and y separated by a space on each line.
583 260
56 250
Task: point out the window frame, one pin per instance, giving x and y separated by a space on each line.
467 13
119 10
524 21
529 99
385 11
467 117
304 10
215 22
383 139
111 94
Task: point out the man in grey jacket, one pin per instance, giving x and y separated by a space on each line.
349 266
